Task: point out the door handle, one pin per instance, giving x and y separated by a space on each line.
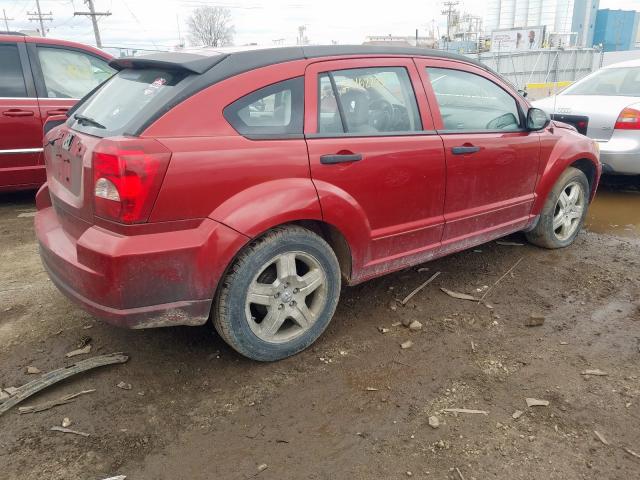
465 149
57 111
18 113
340 158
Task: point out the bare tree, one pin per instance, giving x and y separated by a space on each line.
211 26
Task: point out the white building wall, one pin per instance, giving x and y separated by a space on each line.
535 13
564 16
548 14
492 18
557 15
507 13
521 13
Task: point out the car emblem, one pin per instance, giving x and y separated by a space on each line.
564 110
66 145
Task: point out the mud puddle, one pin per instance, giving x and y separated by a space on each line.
616 208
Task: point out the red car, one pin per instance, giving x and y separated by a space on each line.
247 187
39 78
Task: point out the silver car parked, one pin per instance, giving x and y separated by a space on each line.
605 106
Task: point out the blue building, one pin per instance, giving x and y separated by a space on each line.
583 22
616 29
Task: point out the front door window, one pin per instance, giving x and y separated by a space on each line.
471 102
369 101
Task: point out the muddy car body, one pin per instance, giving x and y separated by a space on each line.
247 187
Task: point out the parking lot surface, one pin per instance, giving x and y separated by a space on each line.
356 405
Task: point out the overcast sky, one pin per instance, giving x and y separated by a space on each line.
154 23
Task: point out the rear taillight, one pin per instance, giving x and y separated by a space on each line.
127 175
629 119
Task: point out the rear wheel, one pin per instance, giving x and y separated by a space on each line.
279 295
564 211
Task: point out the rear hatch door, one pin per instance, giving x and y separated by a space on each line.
67 154
140 91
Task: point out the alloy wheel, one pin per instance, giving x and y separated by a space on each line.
568 211
286 297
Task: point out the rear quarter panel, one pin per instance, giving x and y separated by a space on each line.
248 185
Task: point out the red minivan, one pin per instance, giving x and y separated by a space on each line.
39 78
248 187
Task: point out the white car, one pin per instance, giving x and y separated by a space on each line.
605 106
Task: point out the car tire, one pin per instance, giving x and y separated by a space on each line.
279 295
564 211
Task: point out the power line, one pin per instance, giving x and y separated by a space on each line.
135 17
40 17
205 3
449 11
94 19
21 11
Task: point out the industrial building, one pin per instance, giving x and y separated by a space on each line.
572 21
616 30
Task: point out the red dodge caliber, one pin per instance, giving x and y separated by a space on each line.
247 187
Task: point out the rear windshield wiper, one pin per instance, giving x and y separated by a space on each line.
83 118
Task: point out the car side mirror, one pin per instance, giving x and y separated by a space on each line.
537 119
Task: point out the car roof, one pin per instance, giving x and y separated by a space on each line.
215 65
628 63
234 62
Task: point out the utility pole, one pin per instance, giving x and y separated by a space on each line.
180 42
301 37
449 10
40 17
6 20
94 19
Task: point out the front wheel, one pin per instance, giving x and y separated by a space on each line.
564 211
279 295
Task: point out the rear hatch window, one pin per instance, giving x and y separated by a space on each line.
125 99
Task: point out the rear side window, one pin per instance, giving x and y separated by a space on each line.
609 81
11 77
369 101
471 102
131 94
277 109
71 74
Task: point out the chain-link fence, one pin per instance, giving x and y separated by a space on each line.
541 72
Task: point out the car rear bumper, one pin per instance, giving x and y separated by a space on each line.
621 153
140 281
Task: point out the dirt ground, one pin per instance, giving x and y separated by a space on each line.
355 405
